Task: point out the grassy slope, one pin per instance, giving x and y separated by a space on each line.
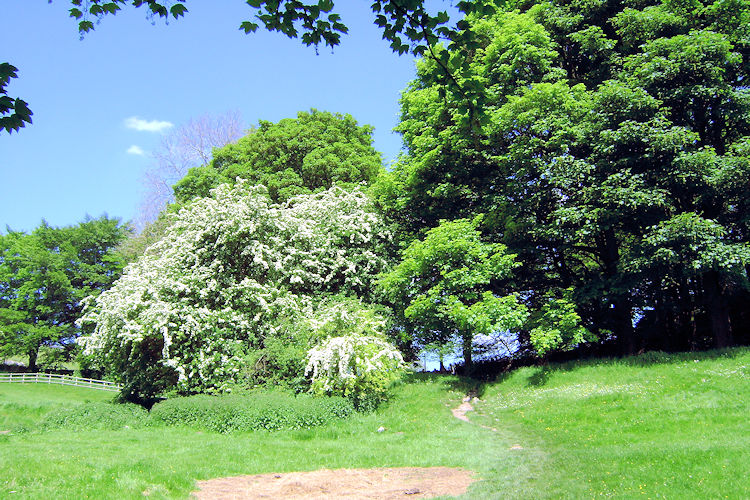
654 426
671 429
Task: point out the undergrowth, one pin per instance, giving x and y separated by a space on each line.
262 411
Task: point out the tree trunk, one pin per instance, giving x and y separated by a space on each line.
622 317
718 309
623 325
468 364
33 353
687 327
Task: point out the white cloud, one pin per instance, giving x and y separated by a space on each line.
147 126
136 150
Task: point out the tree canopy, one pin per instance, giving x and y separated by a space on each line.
610 158
46 274
302 155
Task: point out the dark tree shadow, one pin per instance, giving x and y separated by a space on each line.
543 373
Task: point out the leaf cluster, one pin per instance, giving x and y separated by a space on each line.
14 112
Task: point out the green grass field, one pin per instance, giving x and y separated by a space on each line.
655 426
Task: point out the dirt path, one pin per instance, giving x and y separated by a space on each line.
460 413
381 483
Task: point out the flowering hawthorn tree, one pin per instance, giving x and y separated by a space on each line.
352 358
229 270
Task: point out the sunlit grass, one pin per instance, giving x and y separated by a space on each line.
22 405
165 461
649 427
655 426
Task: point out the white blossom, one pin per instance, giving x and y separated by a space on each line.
229 268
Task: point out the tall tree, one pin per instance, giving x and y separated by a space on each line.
612 133
45 275
309 153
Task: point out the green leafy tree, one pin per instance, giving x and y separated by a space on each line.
310 153
35 294
443 283
606 122
44 276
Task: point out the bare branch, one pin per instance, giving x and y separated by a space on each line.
190 145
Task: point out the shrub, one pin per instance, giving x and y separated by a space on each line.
95 416
229 271
255 411
359 367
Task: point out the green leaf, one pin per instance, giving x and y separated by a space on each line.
248 27
178 10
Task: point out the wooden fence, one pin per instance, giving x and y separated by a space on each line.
52 378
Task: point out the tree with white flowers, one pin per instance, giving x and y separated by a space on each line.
352 356
231 270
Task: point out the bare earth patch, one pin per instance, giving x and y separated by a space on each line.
460 411
382 483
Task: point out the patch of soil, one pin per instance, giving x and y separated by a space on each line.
460 411
382 483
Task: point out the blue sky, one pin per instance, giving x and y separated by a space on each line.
90 96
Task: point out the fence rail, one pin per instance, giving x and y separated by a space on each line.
53 378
